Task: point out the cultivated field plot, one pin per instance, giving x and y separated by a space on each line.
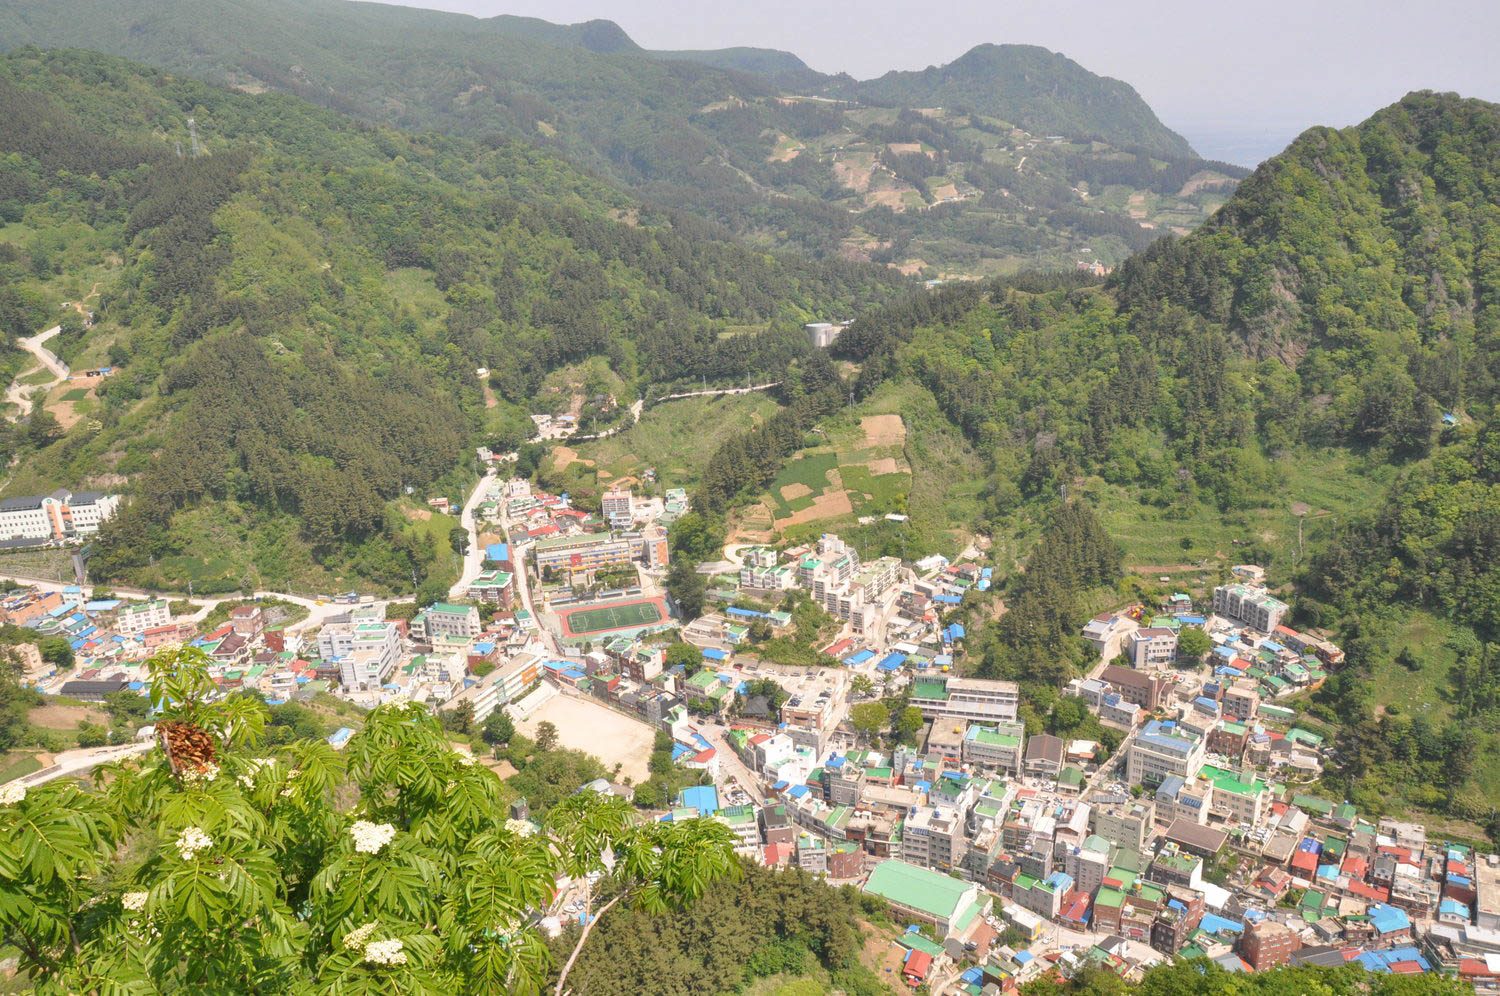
598 730
606 617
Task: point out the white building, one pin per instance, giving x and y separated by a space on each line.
618 508
1250 605
942 696
61 515
365 646
1151 648
138 617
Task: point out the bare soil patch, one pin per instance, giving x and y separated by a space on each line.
417 514
910 267
598 730
795 490
853 175
565 455
65 717
903 148
1136 206
825 506
883 430
946 191
885 465
895 199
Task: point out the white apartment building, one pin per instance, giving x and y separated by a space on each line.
442 620
137 617
618 507
365 647
1151 648
975 699
61 515
1162 750
1250 605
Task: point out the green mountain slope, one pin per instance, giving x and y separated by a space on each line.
749 138
297 315
1042 91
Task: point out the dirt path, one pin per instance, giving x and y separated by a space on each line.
19 394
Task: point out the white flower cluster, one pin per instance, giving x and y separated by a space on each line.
207 773
520 827
134 901
385 953
359 936
464 758
370 838
12 794
191 841
247 780
286 793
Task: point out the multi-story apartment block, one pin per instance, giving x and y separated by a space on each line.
1241 700
998 746
618 508
364 646
1161 749
745 822
976 699
492 588
1151 648
444 621
1250 605
61 515
934 837
137 617
1124 824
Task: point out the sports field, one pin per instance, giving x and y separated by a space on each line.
609 616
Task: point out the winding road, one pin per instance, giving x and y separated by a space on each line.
19 394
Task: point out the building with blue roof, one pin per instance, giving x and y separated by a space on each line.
498 552
955 631
714 654
854 660
892 662
1388 919
704 798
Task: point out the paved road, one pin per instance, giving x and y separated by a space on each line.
474 559
731 768
727 390
523 583
74 762
19 394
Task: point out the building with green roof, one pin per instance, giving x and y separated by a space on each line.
928 896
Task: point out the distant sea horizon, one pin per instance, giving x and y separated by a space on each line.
1245 146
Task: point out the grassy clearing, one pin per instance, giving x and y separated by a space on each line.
15 765
1426 691
676 438
1316 487
74 394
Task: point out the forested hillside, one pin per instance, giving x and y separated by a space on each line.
1041 91
297 314
1010 157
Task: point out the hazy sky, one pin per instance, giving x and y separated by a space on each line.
1238 79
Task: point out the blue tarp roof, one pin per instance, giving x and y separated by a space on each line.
340 736
704 798
956 632
1024 957
714 654
798 791
574 673
1218 924
985 572
1191 620
678 750
892 662
497 552
486 647
1272 645
859 658
947 599
743 613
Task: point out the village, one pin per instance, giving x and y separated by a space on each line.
1189 829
